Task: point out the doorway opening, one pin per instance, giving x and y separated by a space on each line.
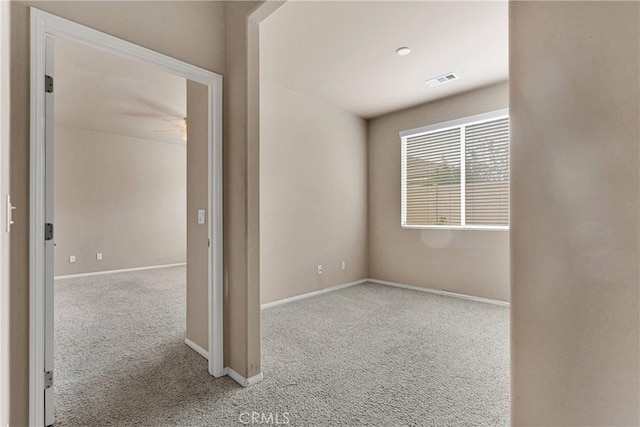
107 154
121 305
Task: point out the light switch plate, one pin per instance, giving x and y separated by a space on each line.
201 217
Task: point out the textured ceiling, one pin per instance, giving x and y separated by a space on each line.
103 92
343 53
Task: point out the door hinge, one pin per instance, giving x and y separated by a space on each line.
48 379
208 243
48 231
48 84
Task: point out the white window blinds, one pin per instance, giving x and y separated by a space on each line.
456 174
433 190
487 173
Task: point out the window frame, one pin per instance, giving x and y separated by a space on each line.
439 127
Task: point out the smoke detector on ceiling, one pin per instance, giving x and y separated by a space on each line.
440 80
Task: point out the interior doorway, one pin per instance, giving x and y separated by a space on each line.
121 300
205 89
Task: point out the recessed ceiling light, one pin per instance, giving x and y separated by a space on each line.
440 80
403 51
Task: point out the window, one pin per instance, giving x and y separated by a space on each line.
456 174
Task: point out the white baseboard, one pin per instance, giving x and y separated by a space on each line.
124 270
204 353
311 294
244 382
440 292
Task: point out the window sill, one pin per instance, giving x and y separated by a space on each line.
457 227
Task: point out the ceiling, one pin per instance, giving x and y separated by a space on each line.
343 53
104 92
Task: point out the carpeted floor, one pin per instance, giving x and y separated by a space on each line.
365 355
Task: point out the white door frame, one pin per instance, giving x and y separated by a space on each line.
44 24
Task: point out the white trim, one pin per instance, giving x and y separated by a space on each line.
244 382
122 270
36 226
204 353
440 292
214 222
459 227
45 24
478 118
463 176
403 181
386 283
311 294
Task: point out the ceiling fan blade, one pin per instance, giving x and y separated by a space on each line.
139 114
179 124
162 110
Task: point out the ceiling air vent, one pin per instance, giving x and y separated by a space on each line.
440 80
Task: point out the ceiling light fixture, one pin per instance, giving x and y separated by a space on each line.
403 51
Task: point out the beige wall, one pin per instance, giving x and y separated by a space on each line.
465 261
575 241
241 191
200 41
313 194
121 196
197 198
4 237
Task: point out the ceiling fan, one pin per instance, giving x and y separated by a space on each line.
180 126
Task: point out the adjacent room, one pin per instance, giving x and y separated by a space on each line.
121 233
384 210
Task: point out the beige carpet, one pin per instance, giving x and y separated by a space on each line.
365 355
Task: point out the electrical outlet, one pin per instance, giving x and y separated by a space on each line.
319 270
344 265
99 256
72 258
